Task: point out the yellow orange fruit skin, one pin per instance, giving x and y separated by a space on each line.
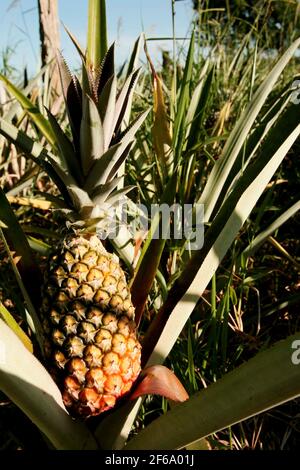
90 334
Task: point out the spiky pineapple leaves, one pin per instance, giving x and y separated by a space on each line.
35 151
106 70
72 93
102 147
182 299
188 288
66 149
107 106
49 129
124 100
88 164
106 167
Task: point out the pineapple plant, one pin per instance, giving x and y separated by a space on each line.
91 344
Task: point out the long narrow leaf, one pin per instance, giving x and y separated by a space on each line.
134 58
106 106
240 132
150 256
201 101
15 327
124 99
91 135
133 65
119 424
97 33
40 121
267 380
65 148
262 237
73 99
223 231
38 154
184 92
100 171
27 383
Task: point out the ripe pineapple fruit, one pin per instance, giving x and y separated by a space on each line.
89 324
88 318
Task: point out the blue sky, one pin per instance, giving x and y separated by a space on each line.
126 19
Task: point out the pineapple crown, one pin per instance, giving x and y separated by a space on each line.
86 172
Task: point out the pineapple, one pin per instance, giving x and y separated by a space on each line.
89 326
91 342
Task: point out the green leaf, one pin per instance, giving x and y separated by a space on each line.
262 237
80 198
91 135
102 192
14 326
106 106
133 65
39 120
117 195
66 149
124 100
199 100
184 93
103 169
106 71
267 380
119 424
73 99
252 143
134 58
40 156
239 134
97 174
162 140
151 254
97 33
39 246
27 383
199 270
